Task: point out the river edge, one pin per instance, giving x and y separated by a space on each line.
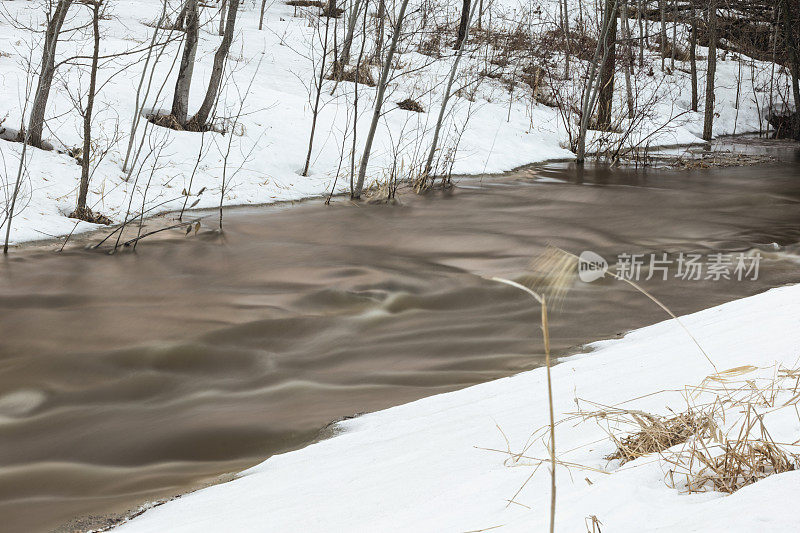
106 522
753 142
463 422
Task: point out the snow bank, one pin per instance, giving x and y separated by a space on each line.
268 148
425 466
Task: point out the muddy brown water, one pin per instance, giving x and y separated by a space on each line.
137 376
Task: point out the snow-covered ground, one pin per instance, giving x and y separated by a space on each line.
427 466
275 68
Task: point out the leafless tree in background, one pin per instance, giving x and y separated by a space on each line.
382 83
223 7
693 55
608 68
344 56
789 15
462 24
448 91
200 120
81 211
708 121
180 101
318 89
55 21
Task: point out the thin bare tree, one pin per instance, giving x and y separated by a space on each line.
81 210
693 55
382 83
318 88
448 92
628 63
794 61
662 47
137 110
708 122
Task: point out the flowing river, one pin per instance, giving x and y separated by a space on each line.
141 375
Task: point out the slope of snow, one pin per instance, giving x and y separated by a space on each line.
275 68
425 466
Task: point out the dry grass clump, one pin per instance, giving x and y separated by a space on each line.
709 447
507 40
361 74
729 466
431 44
581 44
491 74
411 105
681 54
657 434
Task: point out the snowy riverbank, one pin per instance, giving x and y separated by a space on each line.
264 156
427 465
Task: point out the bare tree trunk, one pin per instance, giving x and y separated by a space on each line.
446 98
776 23
674 34
662 47
180 20
380 21
261 16
708 123
591 89
626 34
568 43
46 73
376 114
344 56
693 56
642 34
608 69
462 24
201 118
355 101
794 63
180 101
222 10
83 190
319 82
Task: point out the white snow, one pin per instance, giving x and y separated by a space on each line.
268 148
425 466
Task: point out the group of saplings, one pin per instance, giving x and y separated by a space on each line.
187 21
